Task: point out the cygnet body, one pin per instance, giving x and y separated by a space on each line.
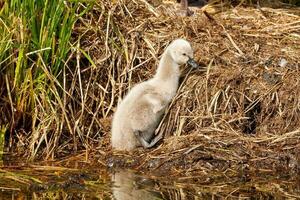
140 112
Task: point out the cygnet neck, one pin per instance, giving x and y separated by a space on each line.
168 69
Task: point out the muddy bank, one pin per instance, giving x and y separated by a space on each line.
188 155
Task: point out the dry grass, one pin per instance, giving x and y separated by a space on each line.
243 109
242 97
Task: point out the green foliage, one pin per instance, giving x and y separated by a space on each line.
34 47
3 129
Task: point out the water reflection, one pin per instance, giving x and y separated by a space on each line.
130 186
25 181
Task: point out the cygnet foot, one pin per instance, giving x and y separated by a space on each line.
144 143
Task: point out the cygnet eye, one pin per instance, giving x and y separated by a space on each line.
184 54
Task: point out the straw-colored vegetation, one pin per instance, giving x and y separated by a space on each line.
65 66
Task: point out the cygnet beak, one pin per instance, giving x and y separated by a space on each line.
192 63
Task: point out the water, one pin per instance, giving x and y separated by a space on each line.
31 181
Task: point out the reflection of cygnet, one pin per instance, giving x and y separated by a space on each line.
140 112
126 187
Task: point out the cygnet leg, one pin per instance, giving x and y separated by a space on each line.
143 142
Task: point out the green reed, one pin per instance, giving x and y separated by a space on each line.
35 43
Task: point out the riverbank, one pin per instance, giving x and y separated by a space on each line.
239 113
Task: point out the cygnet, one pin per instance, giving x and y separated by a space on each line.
140 112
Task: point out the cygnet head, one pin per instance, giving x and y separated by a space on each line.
182 52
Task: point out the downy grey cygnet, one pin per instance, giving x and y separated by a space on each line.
140 112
